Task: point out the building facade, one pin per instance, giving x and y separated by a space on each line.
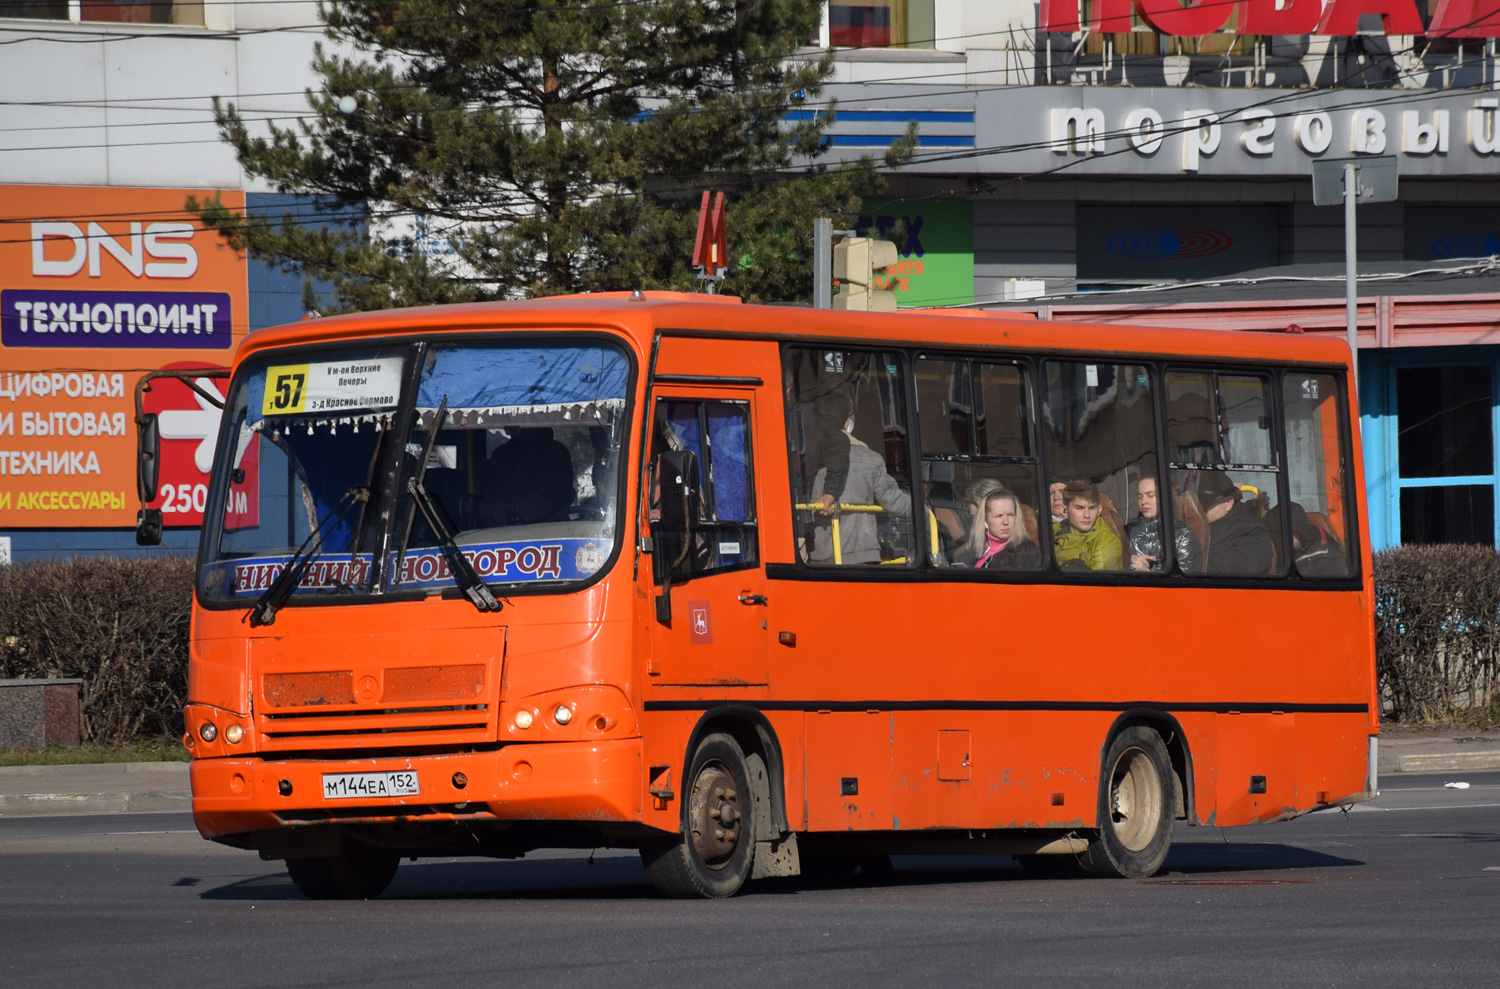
1085 146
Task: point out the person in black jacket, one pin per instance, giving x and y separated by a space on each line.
1316 554
1144 535
1238 543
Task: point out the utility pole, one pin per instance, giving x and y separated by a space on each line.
822 263
1351 181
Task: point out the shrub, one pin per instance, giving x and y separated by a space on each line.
1437 629
120 624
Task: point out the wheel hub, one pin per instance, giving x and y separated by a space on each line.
714 815
1135 800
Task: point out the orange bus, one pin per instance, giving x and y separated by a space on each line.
765 590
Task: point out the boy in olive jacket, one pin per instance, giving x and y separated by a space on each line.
1079 541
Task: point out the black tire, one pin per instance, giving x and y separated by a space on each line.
713 854
358 872
1136 807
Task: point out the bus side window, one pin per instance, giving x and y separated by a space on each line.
850 463
1100 442
724 535
979 470
1317 507
1222 452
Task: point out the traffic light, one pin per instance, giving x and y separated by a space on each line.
855 262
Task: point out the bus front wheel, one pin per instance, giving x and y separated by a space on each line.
713 854
357 872
1136 812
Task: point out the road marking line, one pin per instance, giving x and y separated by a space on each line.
1366 808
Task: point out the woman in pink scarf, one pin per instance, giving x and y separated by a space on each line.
999 535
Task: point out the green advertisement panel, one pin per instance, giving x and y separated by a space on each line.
935 249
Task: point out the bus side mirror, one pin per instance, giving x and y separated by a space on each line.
680 495
148 527
148 458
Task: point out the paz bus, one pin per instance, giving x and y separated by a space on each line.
719 582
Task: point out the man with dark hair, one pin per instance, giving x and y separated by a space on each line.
1238 543
1079 541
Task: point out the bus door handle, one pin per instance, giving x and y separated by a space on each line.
747 598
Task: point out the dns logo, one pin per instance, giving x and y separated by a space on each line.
61 250
1170 243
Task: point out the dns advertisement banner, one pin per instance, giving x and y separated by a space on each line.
98 286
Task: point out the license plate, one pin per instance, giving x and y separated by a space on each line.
353 786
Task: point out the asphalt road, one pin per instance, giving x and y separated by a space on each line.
1405 892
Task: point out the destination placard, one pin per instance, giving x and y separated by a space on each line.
332 387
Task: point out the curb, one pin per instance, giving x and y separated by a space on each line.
1447 762
96 768
54 804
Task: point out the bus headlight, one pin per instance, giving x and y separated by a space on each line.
233 734
564 714
523 719
207 731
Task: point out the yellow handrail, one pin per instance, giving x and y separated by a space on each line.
838 544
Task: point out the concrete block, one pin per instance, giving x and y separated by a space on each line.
37 713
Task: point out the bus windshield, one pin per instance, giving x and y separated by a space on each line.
372 466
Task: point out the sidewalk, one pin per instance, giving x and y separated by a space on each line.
136 787
108 788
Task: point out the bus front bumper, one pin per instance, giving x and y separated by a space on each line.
592 781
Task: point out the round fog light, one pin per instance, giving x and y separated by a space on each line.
523 719
207 731
233 734
564 714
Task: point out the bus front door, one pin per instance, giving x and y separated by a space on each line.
717 629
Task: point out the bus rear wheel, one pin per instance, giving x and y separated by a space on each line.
1136 807
713 854
357 872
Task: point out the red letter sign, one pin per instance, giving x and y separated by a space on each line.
1466 19
1341 18
1170 17
1298 17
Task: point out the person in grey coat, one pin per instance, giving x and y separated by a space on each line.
867 483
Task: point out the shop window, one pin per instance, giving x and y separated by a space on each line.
108 11
881 24
850 463
1445 446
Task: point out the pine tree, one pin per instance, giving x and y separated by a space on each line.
560 146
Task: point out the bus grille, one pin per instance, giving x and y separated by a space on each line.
405 705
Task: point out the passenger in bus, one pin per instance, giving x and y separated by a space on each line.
1145 536
1317 554
1055 494
1079 542
999 539
968 551
867 483
1238 541
528 479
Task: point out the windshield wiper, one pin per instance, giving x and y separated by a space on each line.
266 606
463 572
